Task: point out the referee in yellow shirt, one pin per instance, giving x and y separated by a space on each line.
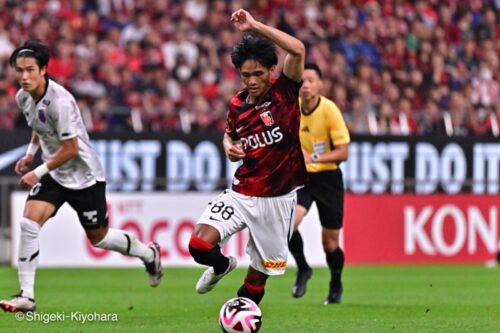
325 143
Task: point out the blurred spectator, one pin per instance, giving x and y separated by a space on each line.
180 49
136 30
431 120
486 91
6 46
386 124
166 117
7 118
393 67
62 65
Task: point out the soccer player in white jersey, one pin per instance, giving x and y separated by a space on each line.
71 173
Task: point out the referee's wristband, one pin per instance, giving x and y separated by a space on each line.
32 149
315 157
41 170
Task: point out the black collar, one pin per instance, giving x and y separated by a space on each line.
314 108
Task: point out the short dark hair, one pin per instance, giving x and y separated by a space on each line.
314 67
255 47
32 48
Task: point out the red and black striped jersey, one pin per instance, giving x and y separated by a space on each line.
269 131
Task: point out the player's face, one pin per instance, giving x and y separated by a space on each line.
311 85
29 75
256 78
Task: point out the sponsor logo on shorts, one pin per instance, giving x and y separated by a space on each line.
91 217
274 264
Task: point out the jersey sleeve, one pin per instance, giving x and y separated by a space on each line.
231 123
65 115
338 129
287 87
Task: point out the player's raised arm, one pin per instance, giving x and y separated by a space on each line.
294 61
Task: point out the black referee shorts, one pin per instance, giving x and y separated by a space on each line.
89 203
327 190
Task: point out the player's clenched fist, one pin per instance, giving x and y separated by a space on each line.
233 149
22 166
242 20
29 180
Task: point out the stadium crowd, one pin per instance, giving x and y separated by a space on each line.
393 66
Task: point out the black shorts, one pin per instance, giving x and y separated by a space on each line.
89 203
327 190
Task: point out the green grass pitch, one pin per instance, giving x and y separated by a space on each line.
376 299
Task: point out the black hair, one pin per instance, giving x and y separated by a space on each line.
32 48
314 67
255 47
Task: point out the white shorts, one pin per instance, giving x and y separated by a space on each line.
269 221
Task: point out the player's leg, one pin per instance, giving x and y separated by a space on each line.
205 250
254 285
270 227
217 222
330 201
90 205
127 244
335 261
296 244
42 203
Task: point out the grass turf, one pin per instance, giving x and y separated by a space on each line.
376 299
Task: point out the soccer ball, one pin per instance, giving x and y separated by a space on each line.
240 315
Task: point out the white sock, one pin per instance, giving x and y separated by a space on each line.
127 244
28 256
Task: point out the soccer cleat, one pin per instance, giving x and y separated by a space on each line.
334 296
154 268
18 303
299 289
208 279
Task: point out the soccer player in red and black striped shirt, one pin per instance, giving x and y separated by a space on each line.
263 131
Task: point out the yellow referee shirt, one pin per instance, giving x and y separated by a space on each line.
321 130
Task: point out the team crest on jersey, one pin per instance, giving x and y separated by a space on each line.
41 115
267 118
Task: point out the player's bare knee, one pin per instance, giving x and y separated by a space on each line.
330 246
38 213
299 216
255 277
207 233
95 236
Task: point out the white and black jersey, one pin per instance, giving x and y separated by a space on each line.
54 118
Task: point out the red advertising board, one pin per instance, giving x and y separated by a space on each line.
421 229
